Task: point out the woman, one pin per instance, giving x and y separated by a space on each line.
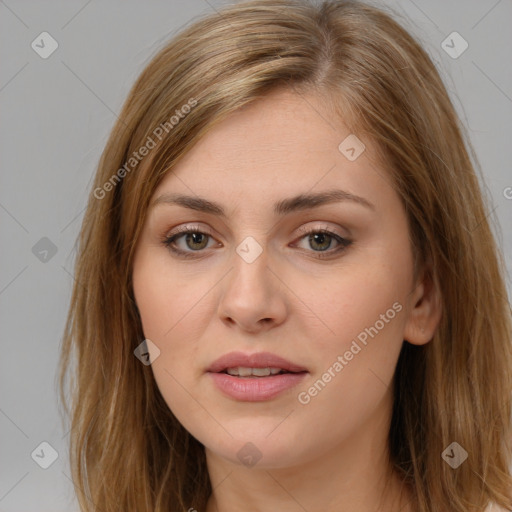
288 292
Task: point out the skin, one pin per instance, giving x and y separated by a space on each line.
331 453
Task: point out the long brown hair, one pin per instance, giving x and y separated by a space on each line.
128 452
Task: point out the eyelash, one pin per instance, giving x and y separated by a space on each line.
168 242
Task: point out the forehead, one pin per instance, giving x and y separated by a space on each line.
282 144
282 124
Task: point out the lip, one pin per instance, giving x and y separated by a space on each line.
256 360
255 389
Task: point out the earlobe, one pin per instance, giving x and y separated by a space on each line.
425 309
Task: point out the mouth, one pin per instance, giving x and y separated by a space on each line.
259 364
247 373
255 377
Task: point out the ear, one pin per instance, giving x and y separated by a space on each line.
424 307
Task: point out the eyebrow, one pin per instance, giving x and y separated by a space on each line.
285 206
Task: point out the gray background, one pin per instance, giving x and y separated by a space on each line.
56 115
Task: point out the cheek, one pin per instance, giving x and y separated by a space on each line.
354 299
174 309
352 383
169 300
169 306
362 312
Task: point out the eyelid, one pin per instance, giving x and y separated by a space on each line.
169 238
308 228
342 241
189 227
303 230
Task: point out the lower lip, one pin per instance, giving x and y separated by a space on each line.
256 389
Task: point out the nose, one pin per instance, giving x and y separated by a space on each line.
252 297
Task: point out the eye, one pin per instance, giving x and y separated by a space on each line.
194 241
321 240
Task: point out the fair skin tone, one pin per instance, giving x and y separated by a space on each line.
329 454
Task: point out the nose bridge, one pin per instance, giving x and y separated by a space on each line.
250 293
250 273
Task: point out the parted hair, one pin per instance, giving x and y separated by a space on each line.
127 450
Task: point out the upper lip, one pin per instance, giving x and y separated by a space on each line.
256 360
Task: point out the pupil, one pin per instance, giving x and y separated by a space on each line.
322 236
196 238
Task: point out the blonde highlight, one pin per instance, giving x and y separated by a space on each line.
384 85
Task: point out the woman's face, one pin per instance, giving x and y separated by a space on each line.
259 277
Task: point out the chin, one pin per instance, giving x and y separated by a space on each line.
258 449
